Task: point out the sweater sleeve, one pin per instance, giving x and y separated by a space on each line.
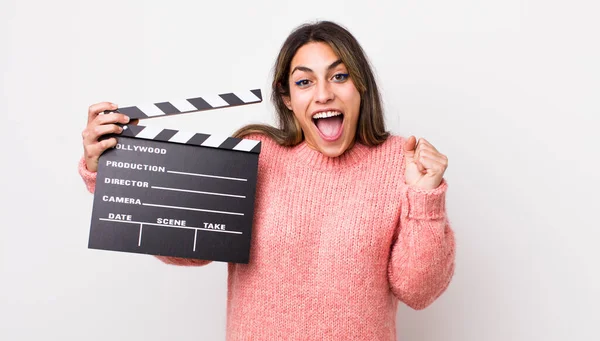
422 255
89 178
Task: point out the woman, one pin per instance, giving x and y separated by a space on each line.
348 219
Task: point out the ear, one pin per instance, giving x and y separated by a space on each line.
287 101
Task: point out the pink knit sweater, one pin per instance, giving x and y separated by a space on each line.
336 243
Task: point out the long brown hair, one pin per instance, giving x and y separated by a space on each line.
371 127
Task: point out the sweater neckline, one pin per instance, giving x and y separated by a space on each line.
305 154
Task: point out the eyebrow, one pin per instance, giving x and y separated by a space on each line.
305 69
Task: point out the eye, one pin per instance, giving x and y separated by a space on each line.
340 77
302 83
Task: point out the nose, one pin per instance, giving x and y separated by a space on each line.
324 92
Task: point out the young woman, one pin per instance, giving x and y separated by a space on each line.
348 219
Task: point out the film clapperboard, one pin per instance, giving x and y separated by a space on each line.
175 193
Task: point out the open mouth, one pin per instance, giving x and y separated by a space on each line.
329 124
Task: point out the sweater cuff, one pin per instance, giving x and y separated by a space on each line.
88 177
427 204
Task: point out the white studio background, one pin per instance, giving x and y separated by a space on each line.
508 90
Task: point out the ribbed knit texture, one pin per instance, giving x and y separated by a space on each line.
336 242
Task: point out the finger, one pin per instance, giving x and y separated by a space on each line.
441 158
91 135
426 144
418 149
97 108
111 118
106 144
420 166
93 151
432 164
417 157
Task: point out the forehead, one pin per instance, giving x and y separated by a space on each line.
314 55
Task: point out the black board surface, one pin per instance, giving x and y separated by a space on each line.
175 199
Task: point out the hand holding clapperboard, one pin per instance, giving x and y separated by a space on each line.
174 193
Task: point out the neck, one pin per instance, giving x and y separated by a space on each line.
314 158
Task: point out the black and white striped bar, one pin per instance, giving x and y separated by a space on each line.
208 102
196 139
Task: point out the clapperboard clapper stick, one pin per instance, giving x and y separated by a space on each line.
174 193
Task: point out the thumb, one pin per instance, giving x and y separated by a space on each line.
410 144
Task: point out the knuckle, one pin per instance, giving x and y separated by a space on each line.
96 121
108 143
103 144
108 118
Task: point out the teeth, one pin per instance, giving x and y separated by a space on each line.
325 114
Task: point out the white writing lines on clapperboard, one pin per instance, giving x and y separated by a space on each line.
209 176
199 192
192 209
171 226
134 183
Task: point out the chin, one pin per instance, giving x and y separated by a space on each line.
333 150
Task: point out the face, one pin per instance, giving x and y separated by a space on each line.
324 99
